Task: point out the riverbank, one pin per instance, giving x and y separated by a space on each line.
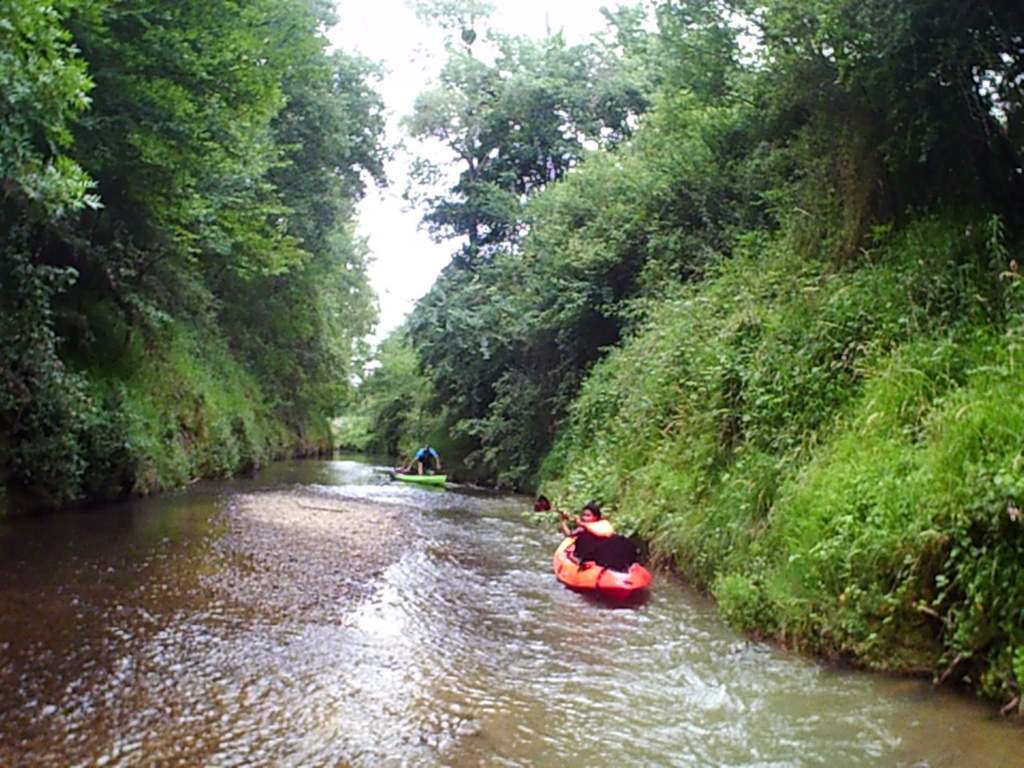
318 553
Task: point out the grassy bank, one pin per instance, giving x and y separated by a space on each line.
156 419
834 453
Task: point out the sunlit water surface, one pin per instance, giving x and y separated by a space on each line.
115 651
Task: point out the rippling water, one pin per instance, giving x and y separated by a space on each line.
116 651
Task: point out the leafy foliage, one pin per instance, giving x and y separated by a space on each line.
394 414
885 108
302 331
834 455
507 344
199 183
45 85
41 402
512 127
774 326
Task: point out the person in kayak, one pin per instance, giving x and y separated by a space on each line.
591 521
426 460
597 541
591 528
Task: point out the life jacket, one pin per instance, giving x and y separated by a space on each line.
600 528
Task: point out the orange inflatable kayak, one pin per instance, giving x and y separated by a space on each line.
590 575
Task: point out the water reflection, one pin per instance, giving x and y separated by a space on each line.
130 637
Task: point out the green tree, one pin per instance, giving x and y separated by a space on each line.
699 42
44 85
878 109
513 124
178 135
394 399
227 147
302 331
516 115
508 344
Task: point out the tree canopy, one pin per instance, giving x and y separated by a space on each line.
175 171
515 115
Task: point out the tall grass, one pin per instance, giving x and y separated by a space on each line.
187 411
835 455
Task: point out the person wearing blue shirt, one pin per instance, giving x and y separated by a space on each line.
426 459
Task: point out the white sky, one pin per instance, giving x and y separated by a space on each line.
405 260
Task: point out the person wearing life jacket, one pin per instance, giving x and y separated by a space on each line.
591 520
597 541
591 528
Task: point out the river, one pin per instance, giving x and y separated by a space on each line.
131 637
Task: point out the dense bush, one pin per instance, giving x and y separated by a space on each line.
181 293
835 455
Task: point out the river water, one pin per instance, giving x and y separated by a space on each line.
465 651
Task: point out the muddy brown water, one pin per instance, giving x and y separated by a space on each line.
195 630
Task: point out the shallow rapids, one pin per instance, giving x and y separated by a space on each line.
325 616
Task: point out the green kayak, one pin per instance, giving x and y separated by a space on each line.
421 479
